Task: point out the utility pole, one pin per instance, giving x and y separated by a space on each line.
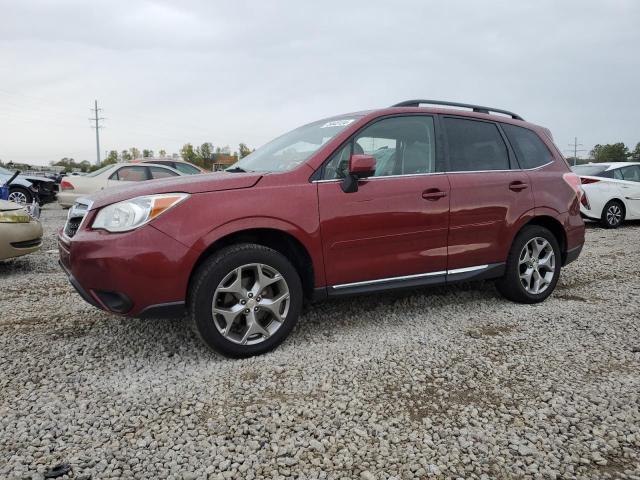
575 146
97 118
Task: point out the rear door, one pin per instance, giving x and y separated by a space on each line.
489 193
395 225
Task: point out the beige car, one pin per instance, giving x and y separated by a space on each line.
74 187
19 233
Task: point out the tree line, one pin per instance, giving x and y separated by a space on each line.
614 152
204 156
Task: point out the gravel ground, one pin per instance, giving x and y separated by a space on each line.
438 383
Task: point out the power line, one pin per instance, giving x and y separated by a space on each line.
96 118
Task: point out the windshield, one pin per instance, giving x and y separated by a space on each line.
293 148
99 171
591 170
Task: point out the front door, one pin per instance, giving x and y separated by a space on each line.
395 225
629 189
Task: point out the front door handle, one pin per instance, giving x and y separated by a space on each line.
433 194
517 186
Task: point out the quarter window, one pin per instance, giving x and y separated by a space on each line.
401 146
530 150
475 146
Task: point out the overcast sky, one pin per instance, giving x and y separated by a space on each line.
171 72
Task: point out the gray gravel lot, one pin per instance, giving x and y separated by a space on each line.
437 383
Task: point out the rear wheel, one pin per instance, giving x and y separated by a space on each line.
533 266
245 300
612 214
20 195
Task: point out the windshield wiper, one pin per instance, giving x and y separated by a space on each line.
237 170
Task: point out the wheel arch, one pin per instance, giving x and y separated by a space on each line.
281 241
555 227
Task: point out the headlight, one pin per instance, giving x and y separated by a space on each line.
131 214
14 216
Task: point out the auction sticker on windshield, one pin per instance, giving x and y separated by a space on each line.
338 123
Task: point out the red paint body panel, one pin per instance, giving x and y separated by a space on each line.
390 227
385 229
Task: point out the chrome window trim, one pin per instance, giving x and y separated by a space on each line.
410 277
440 173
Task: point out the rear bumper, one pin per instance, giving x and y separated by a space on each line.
139 273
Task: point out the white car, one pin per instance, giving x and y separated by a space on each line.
612 192
72 188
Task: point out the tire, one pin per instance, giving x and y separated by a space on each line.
613 214
512 284
255 320
20 195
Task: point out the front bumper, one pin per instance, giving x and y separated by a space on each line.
17 239
139 273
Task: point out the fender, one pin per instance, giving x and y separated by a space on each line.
309 240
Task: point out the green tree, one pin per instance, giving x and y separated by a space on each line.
635 155
611 152
188 153
135 153
125 156
244 150
147 153
112 157
162 153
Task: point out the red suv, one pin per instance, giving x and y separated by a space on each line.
402 197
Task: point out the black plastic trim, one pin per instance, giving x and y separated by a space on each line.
494 270
81 291
572 255
164 310
387 286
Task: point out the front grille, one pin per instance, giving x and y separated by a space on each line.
27 243
71 228
74 218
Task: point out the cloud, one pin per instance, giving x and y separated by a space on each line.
167 73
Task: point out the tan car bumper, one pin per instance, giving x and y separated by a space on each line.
67 199
18 239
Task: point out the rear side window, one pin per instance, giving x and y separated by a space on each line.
159 172
131 174
186 168
475 146
530 150
631 173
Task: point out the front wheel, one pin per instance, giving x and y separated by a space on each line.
245 300
533 266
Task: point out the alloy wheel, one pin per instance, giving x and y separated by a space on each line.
537 265
18 197
250 304
614 215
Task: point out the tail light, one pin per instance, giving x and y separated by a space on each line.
575 183
587 181
65 185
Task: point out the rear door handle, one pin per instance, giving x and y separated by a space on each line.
433 194
517 186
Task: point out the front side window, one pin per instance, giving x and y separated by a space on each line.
130 174
293 148
401 146
530 150
475 146
631 173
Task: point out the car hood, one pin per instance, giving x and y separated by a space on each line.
208 182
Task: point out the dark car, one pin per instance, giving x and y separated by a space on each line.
401 197
26 188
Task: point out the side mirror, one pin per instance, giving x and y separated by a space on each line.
360 166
